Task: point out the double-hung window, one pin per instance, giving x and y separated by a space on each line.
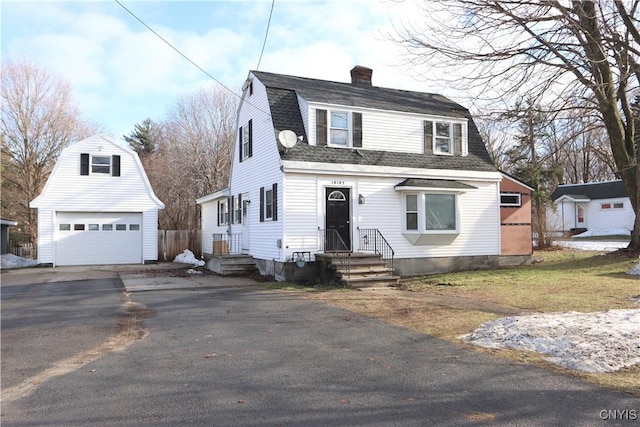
445 137
338 128
269 203
223 212
245 141
99 164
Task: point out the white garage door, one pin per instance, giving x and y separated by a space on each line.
92 238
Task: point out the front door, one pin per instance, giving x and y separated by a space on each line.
580 222
338 217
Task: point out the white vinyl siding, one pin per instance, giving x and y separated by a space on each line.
66 190
384 130
383 209
261 170
209 221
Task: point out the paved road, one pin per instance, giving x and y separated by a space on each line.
233 356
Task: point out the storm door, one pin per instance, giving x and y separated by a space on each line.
338 218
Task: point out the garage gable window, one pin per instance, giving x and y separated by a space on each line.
97 164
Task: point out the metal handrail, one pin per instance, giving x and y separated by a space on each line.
372 240
330 241
227 243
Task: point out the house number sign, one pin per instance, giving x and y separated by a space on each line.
337 182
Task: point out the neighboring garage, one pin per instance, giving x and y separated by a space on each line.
97 207
86 238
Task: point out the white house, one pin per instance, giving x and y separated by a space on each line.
322 166
591 206
97 207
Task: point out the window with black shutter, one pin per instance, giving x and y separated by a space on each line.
84 164
115 165
321 127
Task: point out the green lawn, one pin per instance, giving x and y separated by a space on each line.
559 280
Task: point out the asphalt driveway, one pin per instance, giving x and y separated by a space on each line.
230 354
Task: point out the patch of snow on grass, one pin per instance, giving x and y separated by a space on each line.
592 342
187 257
605 232
14 261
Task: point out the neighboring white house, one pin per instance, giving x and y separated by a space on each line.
97 207
591 206
316 159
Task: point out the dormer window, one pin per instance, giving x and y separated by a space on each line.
338 128
445 137
339 131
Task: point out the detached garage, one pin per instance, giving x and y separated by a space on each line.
97 207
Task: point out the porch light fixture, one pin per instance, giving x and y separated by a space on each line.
360 199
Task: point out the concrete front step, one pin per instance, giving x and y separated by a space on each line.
229 265
369 282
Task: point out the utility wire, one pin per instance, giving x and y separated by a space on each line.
188 59
264 43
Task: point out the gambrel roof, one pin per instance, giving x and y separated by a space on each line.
592 190
283 92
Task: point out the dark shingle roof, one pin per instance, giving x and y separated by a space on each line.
283 92
594 190
435 183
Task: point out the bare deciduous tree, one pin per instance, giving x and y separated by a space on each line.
38 119
558 51
193 154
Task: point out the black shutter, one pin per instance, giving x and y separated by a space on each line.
321 127
457 139
239 208
357 130
261 204
250 148
428 136
239 145
115 165
84 164
232 210
219 212
275 201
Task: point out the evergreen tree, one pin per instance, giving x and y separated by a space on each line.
531 161
143 138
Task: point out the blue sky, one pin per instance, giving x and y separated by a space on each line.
121 73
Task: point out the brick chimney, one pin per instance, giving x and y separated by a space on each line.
361 75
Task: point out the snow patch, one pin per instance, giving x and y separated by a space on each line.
605 232
592 342
187 257
13 261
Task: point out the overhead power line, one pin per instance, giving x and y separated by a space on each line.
188 59
266 34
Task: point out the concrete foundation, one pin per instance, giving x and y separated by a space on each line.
420 266
515 260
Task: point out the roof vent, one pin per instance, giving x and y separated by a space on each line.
361 75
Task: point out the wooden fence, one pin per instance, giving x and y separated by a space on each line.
174 242
24 250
